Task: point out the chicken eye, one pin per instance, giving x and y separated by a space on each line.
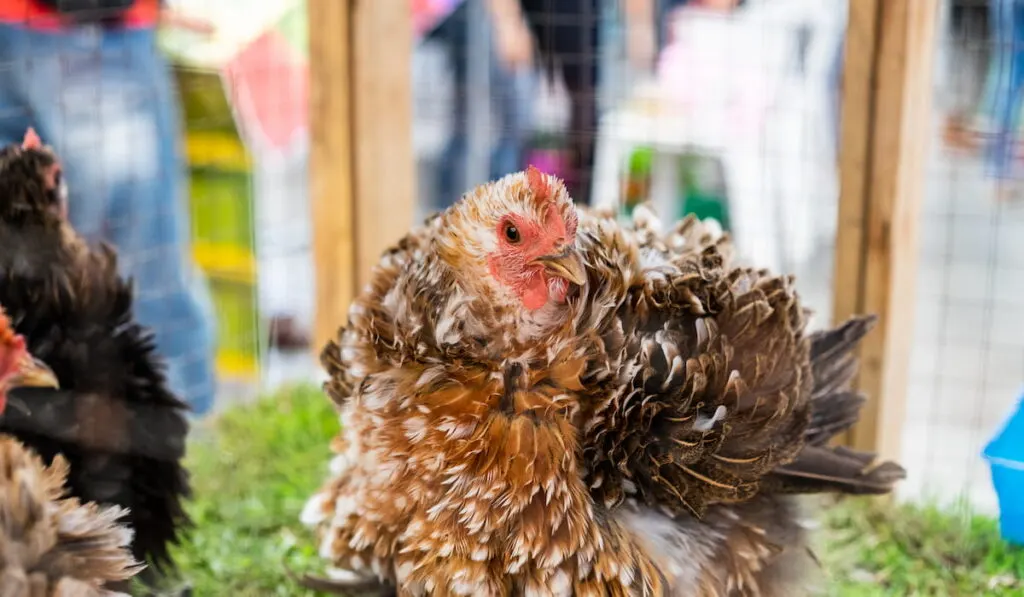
512 234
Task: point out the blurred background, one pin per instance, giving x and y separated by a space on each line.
737 110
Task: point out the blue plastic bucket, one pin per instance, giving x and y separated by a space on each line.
1005 454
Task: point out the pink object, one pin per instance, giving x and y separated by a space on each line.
269 87
32 140
268 80
427 14
549 161
714 70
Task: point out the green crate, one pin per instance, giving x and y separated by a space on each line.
221 208
238 348
222 233
205 104
220 213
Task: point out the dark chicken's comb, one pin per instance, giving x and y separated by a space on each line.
32 140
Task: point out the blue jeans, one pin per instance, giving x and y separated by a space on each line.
510 97
104 99
1006 74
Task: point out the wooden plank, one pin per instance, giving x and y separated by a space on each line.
331 170
896 131
362 168
855 137
385 167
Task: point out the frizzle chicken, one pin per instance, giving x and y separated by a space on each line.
50 544
114 419
537 400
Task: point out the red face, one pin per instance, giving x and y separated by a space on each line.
18 368
535 259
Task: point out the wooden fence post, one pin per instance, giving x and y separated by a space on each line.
886 127
362 167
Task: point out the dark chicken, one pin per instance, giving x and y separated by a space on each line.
50 544
540 401
114 420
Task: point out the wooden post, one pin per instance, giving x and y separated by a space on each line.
886 126
330 163
362 167
385 172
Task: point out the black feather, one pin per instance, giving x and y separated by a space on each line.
835 408
114 418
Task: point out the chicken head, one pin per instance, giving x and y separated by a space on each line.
523 233
18 368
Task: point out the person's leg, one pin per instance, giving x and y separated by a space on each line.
172 296
105 100
1007 72
1016 84
16 111
566 32
513 97
579 68
983 110
451 172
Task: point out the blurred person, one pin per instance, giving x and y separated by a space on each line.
509 92
742 75
968 23
993 127
95 86
1006 82
565 36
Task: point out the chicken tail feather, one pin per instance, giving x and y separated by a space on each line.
838 470
835 408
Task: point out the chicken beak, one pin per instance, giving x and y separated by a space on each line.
566 265
33 373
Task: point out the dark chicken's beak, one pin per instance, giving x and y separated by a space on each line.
566 265
33 373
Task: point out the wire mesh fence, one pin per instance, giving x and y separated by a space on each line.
968 355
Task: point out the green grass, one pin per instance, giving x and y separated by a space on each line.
256 465
251 474
880 548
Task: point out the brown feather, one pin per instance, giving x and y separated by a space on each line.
52 545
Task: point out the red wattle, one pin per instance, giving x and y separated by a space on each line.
535 294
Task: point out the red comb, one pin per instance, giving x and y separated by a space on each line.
538 183
5 326
32 140
7 335
14 348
